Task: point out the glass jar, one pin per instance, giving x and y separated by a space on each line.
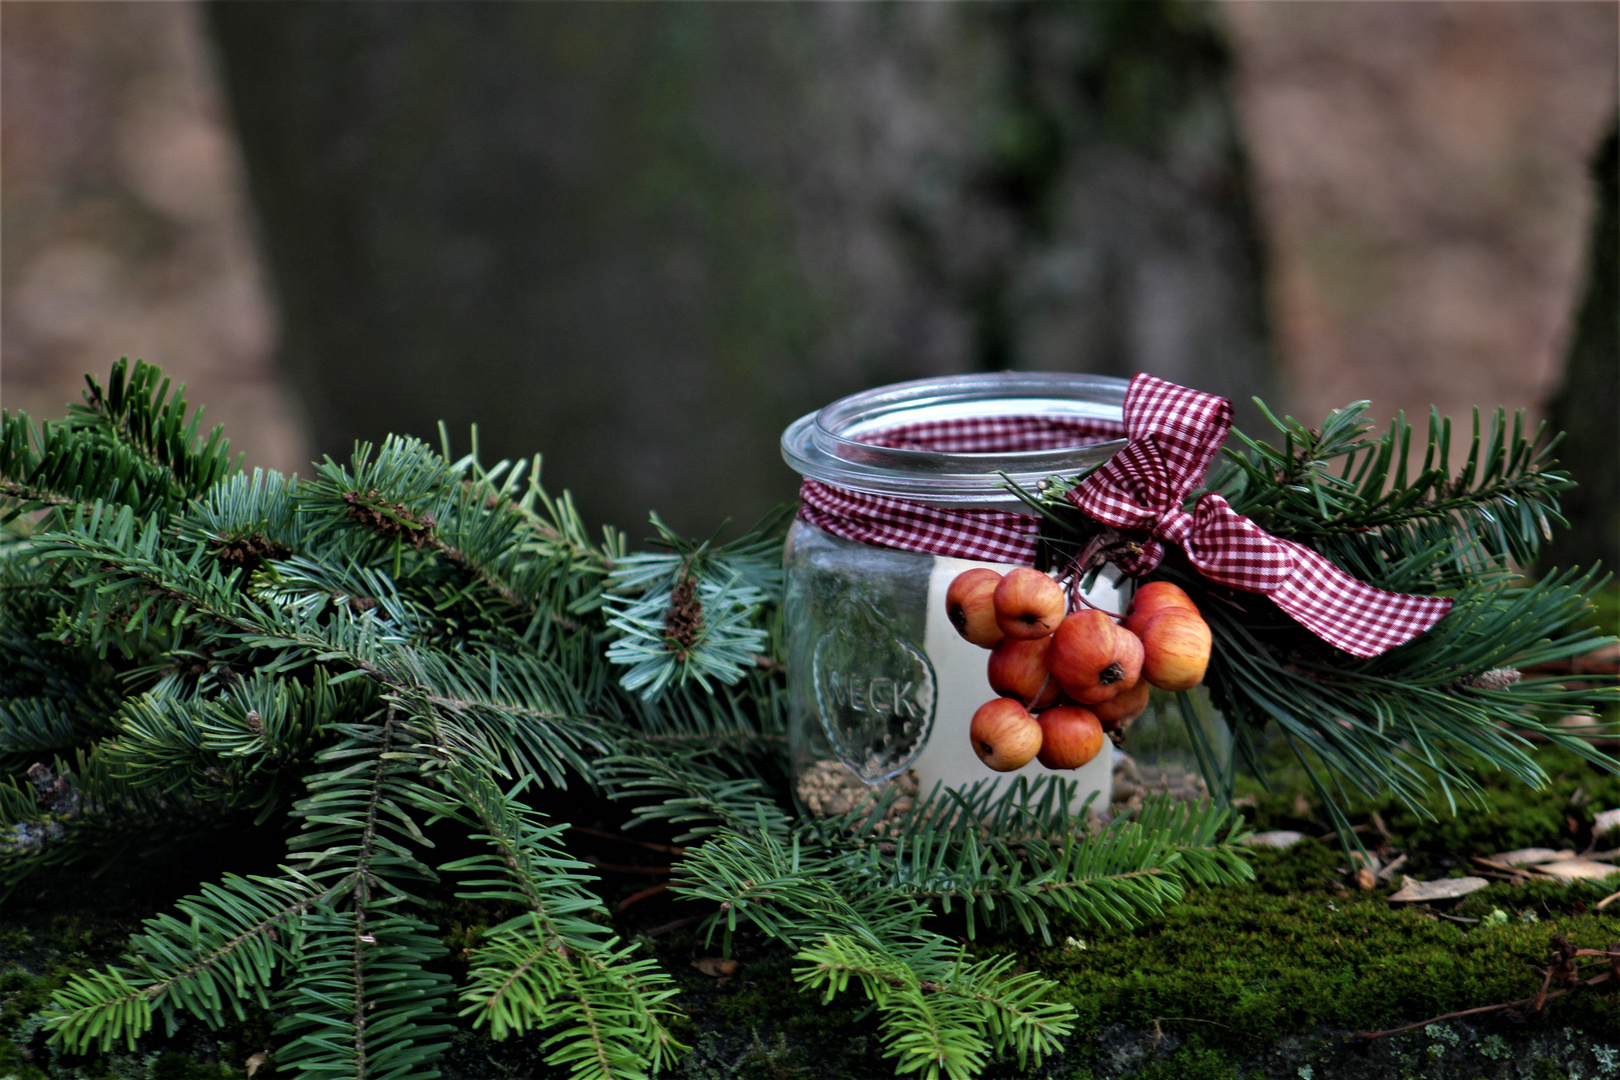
882 688
1177 747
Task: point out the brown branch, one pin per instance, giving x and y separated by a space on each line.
670 927
37 495
458 558
1099 549
642 895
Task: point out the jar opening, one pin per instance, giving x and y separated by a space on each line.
947 441
989 434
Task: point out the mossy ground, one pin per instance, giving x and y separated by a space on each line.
1271 979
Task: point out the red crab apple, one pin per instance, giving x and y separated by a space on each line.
1175 649
1018 670
1117 712
1094 658
1004 735
1152 598
1070 737
1028 604
970 605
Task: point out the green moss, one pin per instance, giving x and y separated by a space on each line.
14 1066
21 995
1503 816
1241 968
1547 1069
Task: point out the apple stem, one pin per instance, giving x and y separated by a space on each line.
1093 554
1077 594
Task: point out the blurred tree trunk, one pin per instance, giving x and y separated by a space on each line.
643 238
1587 406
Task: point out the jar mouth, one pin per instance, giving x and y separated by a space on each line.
845 443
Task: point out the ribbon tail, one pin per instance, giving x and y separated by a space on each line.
1351 614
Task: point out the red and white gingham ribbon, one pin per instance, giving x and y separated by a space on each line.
986 535
1172 433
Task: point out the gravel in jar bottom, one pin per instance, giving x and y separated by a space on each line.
828 789
1134 782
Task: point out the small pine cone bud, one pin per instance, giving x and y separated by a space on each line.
1495 679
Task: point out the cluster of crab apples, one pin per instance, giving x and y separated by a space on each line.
1065 678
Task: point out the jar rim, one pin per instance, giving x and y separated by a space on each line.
827 445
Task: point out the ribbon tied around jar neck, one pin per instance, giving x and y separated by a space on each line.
1172 434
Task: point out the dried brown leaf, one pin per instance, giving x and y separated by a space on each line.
1577 869
716 968
1530 856
1444 889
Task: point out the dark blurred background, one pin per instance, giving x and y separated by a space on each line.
641 238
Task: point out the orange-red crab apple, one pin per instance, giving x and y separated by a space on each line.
970 605
1028 604
1093 658
1152 598
1117 712
1004 735
1175 649
1070 737
1018 669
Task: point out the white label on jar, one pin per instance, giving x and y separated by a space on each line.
961 686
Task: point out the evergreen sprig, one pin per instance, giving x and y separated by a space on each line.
945 1019
551 965
1365 503
409 642
129 442
1418 719
225 950
692 612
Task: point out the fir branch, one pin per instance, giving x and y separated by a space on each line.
1349 495
692 613
947 1020
32 727
679 787
250 733
1021 856
355 819
57 467
234 938
931 1033
364 1005
136 407
33 498
551 965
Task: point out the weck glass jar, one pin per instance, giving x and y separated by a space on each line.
882 689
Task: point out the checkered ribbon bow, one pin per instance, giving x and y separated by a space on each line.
1172 433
